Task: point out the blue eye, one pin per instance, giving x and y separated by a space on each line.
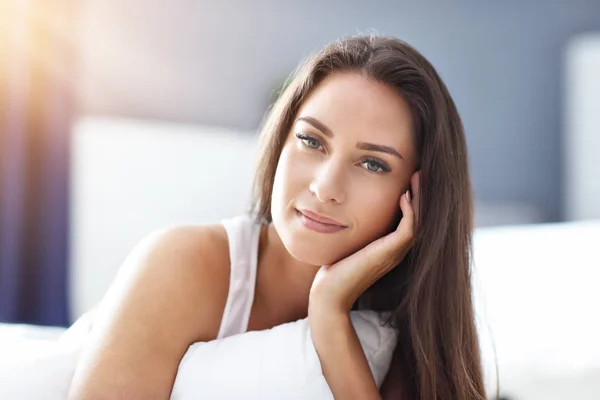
374 165
309 141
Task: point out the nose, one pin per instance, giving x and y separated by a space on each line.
328 184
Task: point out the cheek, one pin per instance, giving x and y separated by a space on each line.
288 187
278 195
376 211
290 181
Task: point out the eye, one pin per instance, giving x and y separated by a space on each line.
374 165
309 141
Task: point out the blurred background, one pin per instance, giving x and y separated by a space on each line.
119 117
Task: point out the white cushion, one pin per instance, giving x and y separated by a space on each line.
274 364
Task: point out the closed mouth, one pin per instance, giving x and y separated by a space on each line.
321 219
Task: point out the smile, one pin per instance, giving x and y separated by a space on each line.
318 226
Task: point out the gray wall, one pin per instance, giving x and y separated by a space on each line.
215 62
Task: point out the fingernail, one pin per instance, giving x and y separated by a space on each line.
408 195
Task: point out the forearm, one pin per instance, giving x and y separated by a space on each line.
342 358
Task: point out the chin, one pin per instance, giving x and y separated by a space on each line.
313 255
310 247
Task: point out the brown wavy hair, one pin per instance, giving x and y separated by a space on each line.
430 291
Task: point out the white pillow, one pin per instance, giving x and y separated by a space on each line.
276 363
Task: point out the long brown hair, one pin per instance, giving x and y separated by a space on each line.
430 291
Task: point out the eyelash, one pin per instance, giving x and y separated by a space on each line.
382 166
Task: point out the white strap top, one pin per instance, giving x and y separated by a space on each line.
243 233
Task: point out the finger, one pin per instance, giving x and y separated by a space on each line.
415 183
395 244
407 222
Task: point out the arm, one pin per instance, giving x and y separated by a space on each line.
337 287
169 293
343 360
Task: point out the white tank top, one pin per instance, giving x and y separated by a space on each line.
243 234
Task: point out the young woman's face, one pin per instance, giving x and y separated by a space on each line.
348 157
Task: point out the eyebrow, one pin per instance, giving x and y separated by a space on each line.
361 145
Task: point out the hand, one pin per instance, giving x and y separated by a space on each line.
339 285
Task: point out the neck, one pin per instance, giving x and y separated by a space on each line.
286 280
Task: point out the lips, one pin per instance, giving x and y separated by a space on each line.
321 219
306 219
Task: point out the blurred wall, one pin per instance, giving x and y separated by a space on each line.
216 62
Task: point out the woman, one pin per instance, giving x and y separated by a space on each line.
362 200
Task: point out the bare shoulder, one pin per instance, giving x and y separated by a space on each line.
184 267
169 293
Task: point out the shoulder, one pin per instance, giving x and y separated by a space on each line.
196 252
184 267
194 249
170 292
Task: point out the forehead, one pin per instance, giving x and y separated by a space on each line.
351 104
